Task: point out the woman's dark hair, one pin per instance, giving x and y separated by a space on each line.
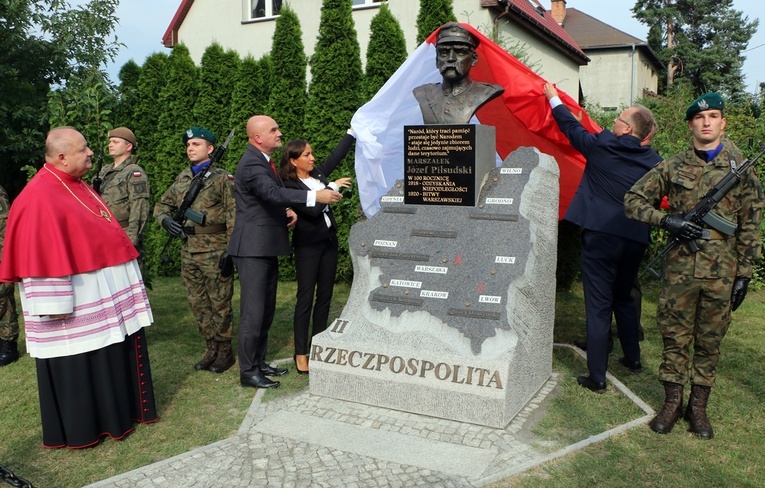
291 150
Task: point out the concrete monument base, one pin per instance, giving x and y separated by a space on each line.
451 309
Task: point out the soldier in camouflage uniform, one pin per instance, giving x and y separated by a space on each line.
205 265
700 289
9 318
125 186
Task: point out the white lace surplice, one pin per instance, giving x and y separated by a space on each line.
105 306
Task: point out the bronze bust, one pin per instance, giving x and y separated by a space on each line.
455 100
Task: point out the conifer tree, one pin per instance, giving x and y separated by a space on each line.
250 98
176 102
146 112
432 15
700 41
127 93
218 76
286 103
386 51
335 94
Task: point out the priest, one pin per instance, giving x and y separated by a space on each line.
84 302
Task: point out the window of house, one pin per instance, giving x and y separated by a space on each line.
367 2
265 8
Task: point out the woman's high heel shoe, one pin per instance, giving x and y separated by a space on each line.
303 360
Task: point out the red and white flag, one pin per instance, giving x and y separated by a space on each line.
522 116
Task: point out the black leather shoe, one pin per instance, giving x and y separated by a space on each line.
257 380
271 371
634 366
587 382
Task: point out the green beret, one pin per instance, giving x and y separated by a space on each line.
707 101
199 133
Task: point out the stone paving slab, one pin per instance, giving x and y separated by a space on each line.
306 440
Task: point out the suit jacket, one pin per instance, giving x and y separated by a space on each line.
614 164
311 226
260 229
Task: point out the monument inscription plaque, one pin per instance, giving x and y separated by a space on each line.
445 164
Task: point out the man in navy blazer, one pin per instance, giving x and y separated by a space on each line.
612 244
263 215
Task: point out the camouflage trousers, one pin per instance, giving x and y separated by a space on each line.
9 317
693 310
209 294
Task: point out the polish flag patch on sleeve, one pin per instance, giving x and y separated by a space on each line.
136 174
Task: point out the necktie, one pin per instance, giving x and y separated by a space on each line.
273 167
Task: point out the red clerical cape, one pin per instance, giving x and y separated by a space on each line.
51 234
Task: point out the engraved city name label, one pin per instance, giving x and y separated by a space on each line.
399 210
493 216
505 259
379 297
391 199
489 299
499 201
434 294
447 234
430 269
474 314
511 171
382 243
406 284
399 255
339 325
416 367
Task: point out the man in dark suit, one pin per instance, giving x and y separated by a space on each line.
260 235
612 244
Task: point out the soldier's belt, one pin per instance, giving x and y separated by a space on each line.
207 229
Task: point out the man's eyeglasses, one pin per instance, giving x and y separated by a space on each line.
623 121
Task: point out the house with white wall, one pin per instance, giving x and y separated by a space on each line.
622 68
247 26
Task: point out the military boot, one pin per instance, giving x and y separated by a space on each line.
225 358
209 358
696 413
9 352
672 410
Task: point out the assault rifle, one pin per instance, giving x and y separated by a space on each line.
702 212
184 211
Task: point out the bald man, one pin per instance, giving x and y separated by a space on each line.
263 215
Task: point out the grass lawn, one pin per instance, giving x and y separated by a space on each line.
198 408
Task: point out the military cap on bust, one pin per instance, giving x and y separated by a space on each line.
707 101
123 133
199 133
453 33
